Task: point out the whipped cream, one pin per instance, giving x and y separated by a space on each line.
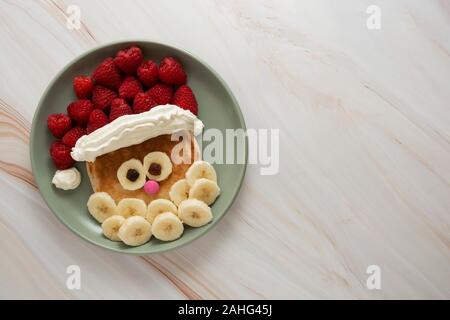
67 179
133 129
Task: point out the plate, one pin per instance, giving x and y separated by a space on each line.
217 109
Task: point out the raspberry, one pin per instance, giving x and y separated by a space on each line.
97 119
80 110
83 87
119 111
143 102
72 136
129 88
117 102
107 74
148 73
161 93
60 154
184 98
128 60
102 97
59 124
171 72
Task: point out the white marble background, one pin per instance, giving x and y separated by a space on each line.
365 150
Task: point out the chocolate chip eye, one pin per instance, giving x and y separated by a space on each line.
155 169
157 165
132 175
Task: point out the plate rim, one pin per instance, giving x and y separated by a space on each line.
124 42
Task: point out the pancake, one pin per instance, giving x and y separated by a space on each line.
103 171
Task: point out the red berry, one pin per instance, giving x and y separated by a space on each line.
128 60
80 110
129 88
60 154
59 124
107 74
102 97
119 111
184 98
171 72
148 73
97 119
72 136
117 102
161 93
83 86
143 102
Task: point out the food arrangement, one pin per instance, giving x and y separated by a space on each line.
122 124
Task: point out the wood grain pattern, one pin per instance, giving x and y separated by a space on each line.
364 175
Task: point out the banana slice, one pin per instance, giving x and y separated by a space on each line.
204 190
198 170
179 191
157 165
167 227
101 206
158 206
135 231
111 227
194 213
130 207
131 174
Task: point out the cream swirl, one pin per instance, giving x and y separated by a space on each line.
67 179
133 129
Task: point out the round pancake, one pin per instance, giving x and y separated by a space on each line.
103 171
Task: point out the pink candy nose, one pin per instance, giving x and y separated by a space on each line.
151 187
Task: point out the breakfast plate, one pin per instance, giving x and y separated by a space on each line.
119 147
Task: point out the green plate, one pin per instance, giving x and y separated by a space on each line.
217 109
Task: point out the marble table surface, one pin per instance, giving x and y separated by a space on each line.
364 119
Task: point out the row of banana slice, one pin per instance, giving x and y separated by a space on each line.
200 183
134 223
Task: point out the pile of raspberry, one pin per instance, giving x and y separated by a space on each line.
125 84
